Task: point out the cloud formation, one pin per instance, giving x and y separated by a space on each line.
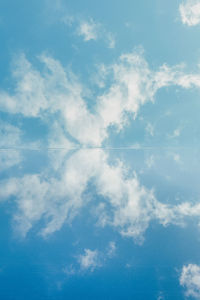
190 280
11 139
92 259
57 197
56 96
89 260
90 30
56 91
190 12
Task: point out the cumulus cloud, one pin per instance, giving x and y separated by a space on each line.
190 12
190 280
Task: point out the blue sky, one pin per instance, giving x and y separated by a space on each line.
99 149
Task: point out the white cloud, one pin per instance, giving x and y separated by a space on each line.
89 30
176 133
110 40
29 192
161 296
177 158
134 84
150 129
55 198
150 161
58 138
10 135
92 259
70 270
111 249
89 260
190 280
190 12
58 198
9 159
9 142
55 90
29 98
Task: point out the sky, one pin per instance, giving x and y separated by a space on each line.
99 149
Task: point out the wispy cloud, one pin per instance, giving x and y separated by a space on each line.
111 250
9 159
190 280
150 129
90 30
150 161
92 259
176 133
89 260
58 198
190 12
10 135
56 96
56 90
11 139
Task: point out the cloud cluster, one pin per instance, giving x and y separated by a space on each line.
190 280
190 12
55 95
58 197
